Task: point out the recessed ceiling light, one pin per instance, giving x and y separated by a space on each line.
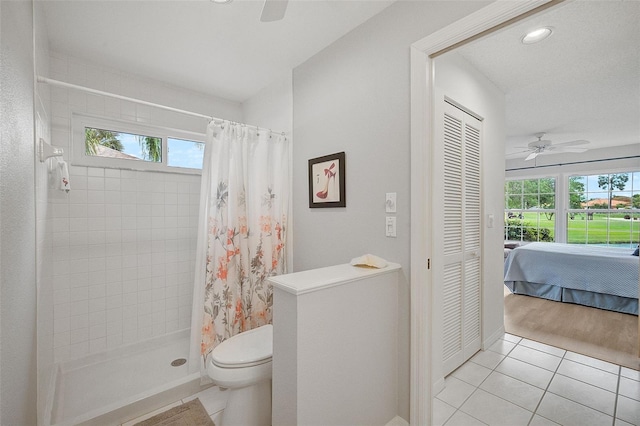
221 1
537 35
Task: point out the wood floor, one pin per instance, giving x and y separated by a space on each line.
609 336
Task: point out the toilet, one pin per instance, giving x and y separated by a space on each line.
242 365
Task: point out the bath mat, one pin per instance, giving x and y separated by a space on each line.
190 413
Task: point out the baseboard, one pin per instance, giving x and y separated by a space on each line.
397 421
494 337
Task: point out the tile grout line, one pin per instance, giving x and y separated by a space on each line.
615 401
478 387
566 351
547 388
592 385
533 413
586 383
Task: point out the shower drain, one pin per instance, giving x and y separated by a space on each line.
178 362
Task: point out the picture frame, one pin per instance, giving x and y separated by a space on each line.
327 181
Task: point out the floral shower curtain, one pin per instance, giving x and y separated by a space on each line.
244 203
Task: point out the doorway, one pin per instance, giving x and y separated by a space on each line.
423 52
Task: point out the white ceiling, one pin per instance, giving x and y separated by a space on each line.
581 83
220 49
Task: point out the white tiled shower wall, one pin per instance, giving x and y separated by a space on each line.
123 258
123 242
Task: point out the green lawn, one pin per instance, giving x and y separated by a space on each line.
621 231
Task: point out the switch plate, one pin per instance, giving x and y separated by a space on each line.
390 202
390 226
490 221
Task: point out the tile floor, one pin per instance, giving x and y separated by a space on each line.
518 382
522 382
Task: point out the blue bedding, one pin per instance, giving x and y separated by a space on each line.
603 277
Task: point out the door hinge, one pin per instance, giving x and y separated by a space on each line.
428 263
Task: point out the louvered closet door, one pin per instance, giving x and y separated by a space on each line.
457 242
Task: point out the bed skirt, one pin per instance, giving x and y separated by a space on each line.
587 298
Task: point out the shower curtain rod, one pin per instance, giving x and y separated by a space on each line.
59 83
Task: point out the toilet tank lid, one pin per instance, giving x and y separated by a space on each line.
246 348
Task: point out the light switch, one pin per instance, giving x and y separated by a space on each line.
390 202
490 221
391 226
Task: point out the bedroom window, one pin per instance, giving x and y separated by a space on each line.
604 209
109 143
530 209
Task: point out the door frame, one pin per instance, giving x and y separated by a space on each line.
476 25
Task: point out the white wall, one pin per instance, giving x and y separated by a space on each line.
272 108
123 241
44 234
354 96
465 85
17 212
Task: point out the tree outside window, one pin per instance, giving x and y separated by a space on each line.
530 209
603 209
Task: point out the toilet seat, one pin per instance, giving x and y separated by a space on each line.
229 377
247 349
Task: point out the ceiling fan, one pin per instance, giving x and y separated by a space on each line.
544 147
273 10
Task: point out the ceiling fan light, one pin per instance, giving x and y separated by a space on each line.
537 35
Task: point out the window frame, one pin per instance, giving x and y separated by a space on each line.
608 211
78 155
555 210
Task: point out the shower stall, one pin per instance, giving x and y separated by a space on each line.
116 254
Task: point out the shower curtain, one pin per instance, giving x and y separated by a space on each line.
244 203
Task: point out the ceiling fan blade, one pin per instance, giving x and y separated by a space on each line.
517 153
273 10
531 156
572 143
569 149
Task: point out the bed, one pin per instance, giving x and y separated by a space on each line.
601 277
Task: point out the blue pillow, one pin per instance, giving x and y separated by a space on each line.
635 253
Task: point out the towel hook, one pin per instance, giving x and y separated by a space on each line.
46 151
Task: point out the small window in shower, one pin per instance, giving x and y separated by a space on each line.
101 142
185 153
125 146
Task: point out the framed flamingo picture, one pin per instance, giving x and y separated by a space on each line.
327 181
